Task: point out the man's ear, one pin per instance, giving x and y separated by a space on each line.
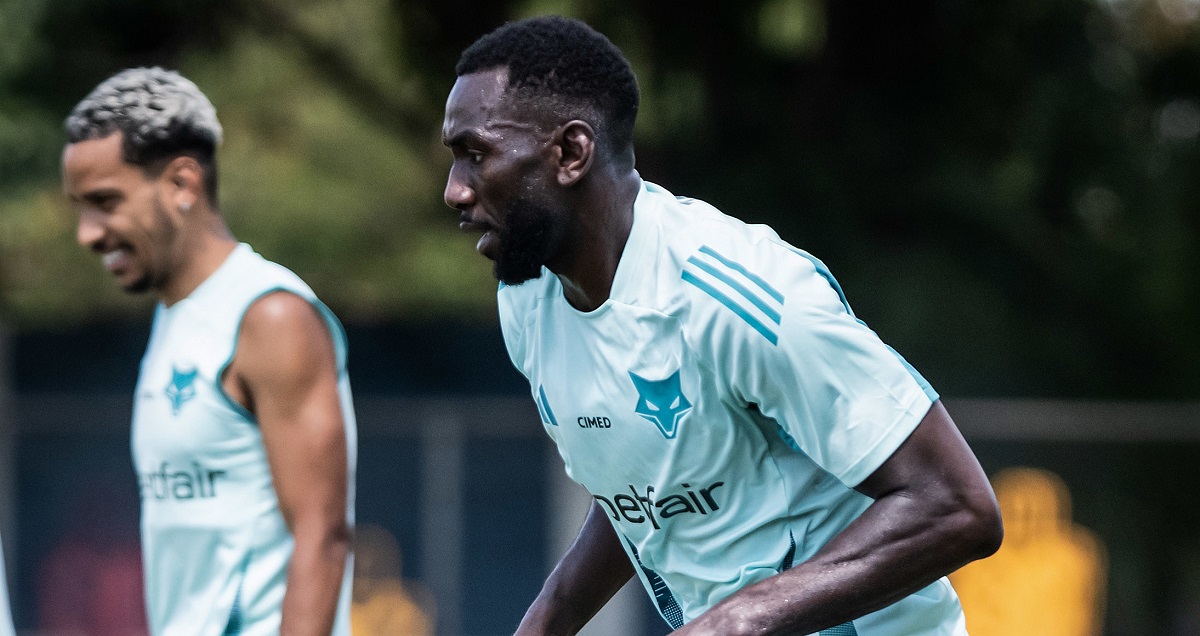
184 178
577 147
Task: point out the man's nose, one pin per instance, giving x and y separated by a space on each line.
458 195
90 230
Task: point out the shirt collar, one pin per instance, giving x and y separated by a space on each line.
638 255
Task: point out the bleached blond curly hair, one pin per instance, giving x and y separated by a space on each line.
161 115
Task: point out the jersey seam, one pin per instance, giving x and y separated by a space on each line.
700 360
727 398
893 431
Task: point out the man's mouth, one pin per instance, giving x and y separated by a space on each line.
487 241
467 225
115 260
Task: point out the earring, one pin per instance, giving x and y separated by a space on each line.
184 207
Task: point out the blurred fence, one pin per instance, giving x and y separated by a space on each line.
475 497
469 486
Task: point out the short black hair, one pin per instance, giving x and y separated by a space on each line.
567 63
160 114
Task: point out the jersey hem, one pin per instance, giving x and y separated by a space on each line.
885 446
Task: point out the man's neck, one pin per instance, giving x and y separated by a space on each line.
598 243
199 258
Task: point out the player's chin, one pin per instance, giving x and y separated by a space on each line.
511 276
136 284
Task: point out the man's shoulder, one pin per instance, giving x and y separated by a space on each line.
267 273
732 280
690 226
279 295
712 258
247 279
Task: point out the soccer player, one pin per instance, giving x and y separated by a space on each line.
243 429
757 457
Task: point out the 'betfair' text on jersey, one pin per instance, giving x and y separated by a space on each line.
168 483
640 508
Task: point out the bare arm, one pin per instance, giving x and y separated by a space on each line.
589 574
934 511
285 372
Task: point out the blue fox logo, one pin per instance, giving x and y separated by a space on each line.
661 402
181 389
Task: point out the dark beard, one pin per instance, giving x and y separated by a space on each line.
527 242
139 286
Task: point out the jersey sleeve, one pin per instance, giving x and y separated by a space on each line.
785 340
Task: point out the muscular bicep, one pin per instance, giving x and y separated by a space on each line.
935 468
285 369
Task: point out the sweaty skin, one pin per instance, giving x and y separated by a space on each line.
497 155
933 508
933 512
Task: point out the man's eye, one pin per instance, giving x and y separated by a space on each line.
103 204
476 156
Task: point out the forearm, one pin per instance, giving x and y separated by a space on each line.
843 582
314 582
933 512
588 575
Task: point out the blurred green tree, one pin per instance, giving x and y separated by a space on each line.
1006 191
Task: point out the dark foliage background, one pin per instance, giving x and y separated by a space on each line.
1007 191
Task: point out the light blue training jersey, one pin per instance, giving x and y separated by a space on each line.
6 624
720 406
214 543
